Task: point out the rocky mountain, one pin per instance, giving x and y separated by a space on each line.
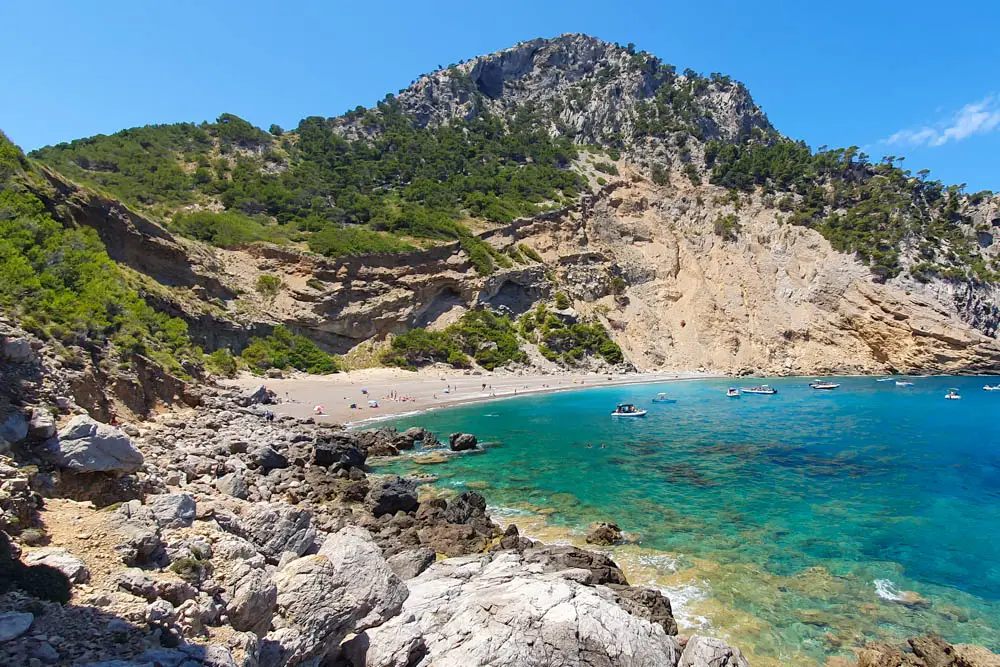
659 207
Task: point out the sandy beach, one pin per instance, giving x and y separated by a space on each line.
397 391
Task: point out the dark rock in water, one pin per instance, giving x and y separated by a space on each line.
605 534
339 451
411 436
460 442
408 564
466 507
512 541
647 603
392 495
266 458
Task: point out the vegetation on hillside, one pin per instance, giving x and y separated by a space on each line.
345 196
488 338
59 282
567 343
872 210
283 350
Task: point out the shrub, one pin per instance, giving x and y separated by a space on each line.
727 226
283 349
225 230
222 362
562 301
660 175
606 168
529 252
268 286
340 241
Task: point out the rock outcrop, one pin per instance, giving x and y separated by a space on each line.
86 445
477 610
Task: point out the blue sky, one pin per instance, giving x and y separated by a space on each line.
915 78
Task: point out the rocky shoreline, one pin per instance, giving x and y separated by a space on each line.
217 535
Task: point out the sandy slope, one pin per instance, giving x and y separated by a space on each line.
425 389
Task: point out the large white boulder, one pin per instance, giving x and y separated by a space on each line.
478 610
346 587
85 445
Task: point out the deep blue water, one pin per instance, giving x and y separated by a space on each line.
869 483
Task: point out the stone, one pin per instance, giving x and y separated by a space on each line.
971 655
42 424
711 652
45 652
13 427
260 396
173 510
339 451
493 611
408 564
346 587
160 613
460 442
647 603
934 650
137 582
273 529
61 559
252 598
466 508
139 534
85 445
391 495
605 534
234 484
18 350
266 458
14 624
555 558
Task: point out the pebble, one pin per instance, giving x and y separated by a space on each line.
14 624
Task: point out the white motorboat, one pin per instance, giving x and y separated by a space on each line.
765 389
903 383
662 398
628 410
952 395
885 379
733 392
995 387
823 384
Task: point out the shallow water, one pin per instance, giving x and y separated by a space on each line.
790 523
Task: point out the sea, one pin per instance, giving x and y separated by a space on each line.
798 525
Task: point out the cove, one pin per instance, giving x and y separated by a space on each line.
792 522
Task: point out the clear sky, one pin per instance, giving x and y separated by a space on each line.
917 78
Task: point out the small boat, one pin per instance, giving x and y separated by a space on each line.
995 387
628 410
662 398
823 384
733 392
903 383
952 395
885 379
760 389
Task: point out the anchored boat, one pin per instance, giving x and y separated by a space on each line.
628 410
760 389
662 398
823 384
952 395
733 392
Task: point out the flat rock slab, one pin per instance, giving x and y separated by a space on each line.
14 624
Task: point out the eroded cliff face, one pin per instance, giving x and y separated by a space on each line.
776 299
648 262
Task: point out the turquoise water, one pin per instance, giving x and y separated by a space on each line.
798 517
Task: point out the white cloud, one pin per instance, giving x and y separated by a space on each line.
978 118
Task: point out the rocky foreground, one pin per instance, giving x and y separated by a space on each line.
212 535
